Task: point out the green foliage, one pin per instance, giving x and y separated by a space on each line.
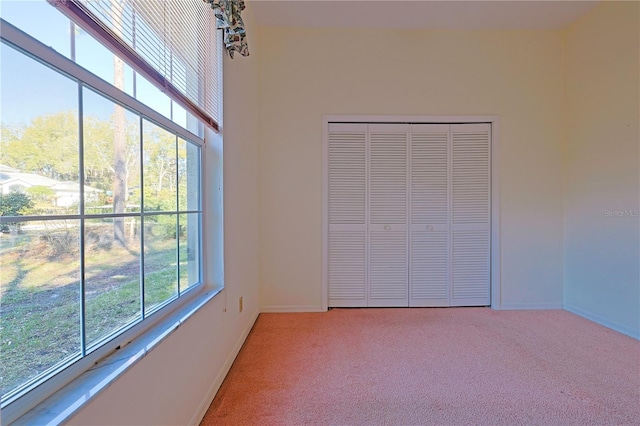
163 226
48 146
13 204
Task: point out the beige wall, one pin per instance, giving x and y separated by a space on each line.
305 73
171 384
602 173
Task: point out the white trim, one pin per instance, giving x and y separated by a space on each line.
530 306
222 374
496 253
292 308
613 325
494 120
66 401
325 216
412 119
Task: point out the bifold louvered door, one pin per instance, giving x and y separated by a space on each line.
347 239
471 217
430 268
388 243
409 214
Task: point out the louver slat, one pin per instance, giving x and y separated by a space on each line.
388 192
471 215
470 174
429 189
471 267
347 176
347 255
429 164
429 269
347 268
388 178
388 268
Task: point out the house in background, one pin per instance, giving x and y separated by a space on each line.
63 194
562 76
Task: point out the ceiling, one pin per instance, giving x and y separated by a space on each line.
425 14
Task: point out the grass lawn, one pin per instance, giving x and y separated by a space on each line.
40 298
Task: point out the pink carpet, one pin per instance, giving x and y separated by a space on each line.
451 366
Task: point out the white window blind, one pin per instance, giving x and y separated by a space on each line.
173 43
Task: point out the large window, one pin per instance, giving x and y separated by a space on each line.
46 24
100 200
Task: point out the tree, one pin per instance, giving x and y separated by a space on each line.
120 191
160 168
48 146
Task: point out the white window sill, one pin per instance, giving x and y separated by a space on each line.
63 404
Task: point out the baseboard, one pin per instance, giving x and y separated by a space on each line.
292 308
213 389
620 328
532 306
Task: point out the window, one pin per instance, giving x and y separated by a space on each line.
46 24
100 198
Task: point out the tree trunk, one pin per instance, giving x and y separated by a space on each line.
119 146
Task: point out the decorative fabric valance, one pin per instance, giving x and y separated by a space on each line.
229 20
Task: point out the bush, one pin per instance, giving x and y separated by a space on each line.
13 204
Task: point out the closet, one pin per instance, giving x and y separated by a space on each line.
408 214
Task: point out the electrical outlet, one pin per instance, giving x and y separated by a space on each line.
240 304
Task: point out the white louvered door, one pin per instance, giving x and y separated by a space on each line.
409 215
429 268
388 198
471 216
347 239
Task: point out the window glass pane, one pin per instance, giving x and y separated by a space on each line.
178 115
40 290
111 156
112 274
41 21
93 56
188 176
160 264
159 168
39 145
194 125
152 97
189 251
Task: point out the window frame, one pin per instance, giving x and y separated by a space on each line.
62 374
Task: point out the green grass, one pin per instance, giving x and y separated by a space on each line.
40 300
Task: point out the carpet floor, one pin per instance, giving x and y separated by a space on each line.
435 366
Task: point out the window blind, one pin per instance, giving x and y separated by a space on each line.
174 44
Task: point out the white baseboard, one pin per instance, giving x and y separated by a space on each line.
215 386
291 308
532 306
620 328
